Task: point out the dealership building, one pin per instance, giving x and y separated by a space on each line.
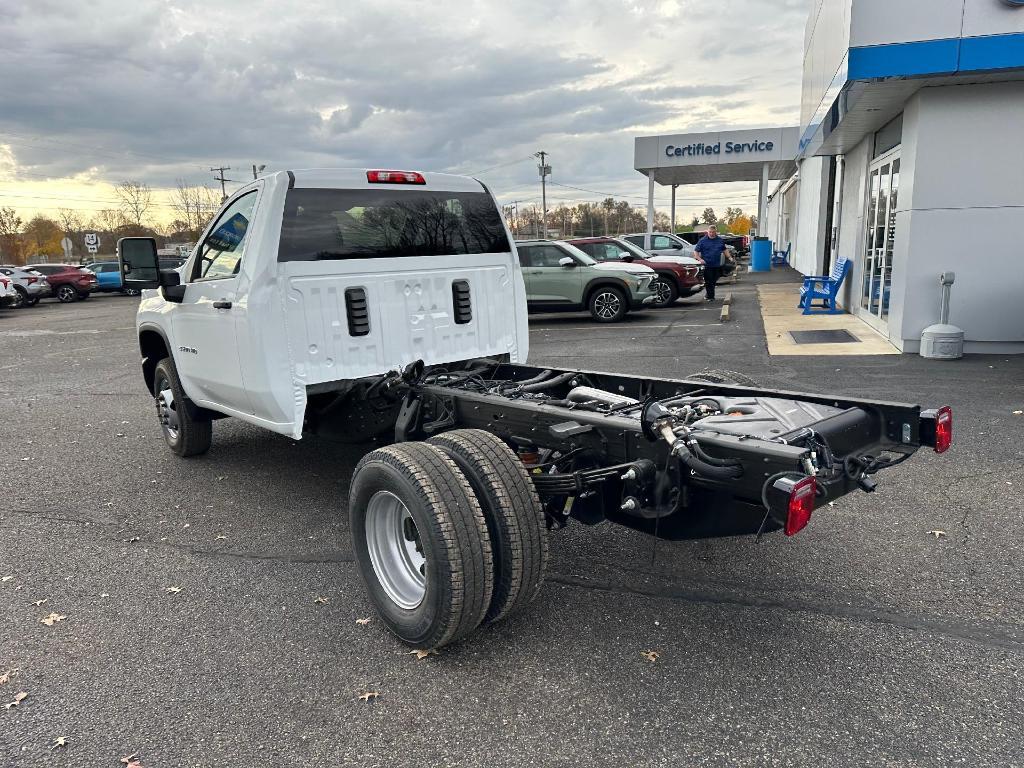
908 160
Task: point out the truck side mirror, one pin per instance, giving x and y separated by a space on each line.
139 263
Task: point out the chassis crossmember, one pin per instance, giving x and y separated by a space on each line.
674 458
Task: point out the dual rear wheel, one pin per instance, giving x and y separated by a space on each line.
448 534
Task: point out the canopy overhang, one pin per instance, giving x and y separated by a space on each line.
719 156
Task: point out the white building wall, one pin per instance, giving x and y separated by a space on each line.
853 228
812 201
961 208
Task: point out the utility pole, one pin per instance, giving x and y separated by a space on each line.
545 171
256 171
220 169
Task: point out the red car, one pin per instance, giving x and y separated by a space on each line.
677 275
68 282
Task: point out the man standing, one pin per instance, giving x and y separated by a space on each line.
712 249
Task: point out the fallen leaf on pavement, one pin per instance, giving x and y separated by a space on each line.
651 656
18 698
132 760
173 590
420 655
367 695
5 678
222 537
363 622
319 600
37 603
937 534
60 741
1017 413
6 578
52 619
132 540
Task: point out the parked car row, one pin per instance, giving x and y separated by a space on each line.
605 276
25 286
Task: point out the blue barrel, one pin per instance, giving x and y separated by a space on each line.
761 255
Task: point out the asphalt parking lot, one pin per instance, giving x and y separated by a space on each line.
210 605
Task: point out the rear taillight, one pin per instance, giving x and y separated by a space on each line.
30 280
943 429
395 177
4 282
801 504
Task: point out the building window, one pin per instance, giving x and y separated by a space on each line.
889 135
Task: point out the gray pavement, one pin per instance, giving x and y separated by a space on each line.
864 640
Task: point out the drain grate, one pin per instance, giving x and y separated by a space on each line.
832 336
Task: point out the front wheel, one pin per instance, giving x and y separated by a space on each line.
20 298
421 544
183 434
66 294
665 292
607 305
131 291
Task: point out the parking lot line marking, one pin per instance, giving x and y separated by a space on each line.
619 328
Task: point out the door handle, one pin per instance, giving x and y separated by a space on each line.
222 305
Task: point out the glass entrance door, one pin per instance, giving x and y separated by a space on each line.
883 192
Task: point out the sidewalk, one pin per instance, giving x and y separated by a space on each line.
778 292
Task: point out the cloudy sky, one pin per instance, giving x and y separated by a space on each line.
156 90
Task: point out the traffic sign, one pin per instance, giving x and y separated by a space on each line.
66 245
92 248
92 240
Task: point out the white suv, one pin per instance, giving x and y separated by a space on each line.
31 286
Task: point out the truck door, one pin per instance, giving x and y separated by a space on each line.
547 281
206 349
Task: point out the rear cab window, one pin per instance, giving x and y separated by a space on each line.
324 224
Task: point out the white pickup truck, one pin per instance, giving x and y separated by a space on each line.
388 308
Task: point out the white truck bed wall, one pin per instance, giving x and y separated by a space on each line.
411 316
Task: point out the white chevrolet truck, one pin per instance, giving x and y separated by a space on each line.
387 308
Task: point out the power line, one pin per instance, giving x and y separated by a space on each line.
502 165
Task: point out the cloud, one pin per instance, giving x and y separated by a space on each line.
162 89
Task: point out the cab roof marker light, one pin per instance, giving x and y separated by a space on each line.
395 177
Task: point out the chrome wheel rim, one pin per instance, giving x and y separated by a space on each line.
65 293
607 305
396 552
662 292
19 300
166 410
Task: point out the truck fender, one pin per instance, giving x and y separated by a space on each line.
154 347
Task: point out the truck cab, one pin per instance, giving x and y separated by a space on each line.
307 281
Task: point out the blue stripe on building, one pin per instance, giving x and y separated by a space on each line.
937 57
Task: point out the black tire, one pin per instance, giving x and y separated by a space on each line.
512 509
724 377
449 535
20 299
184 435
83 296
66 294
607 304
31 301
664 288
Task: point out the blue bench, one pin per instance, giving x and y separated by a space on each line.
824 287
781 258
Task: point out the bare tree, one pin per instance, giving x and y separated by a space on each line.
136 200
195 205
109 220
